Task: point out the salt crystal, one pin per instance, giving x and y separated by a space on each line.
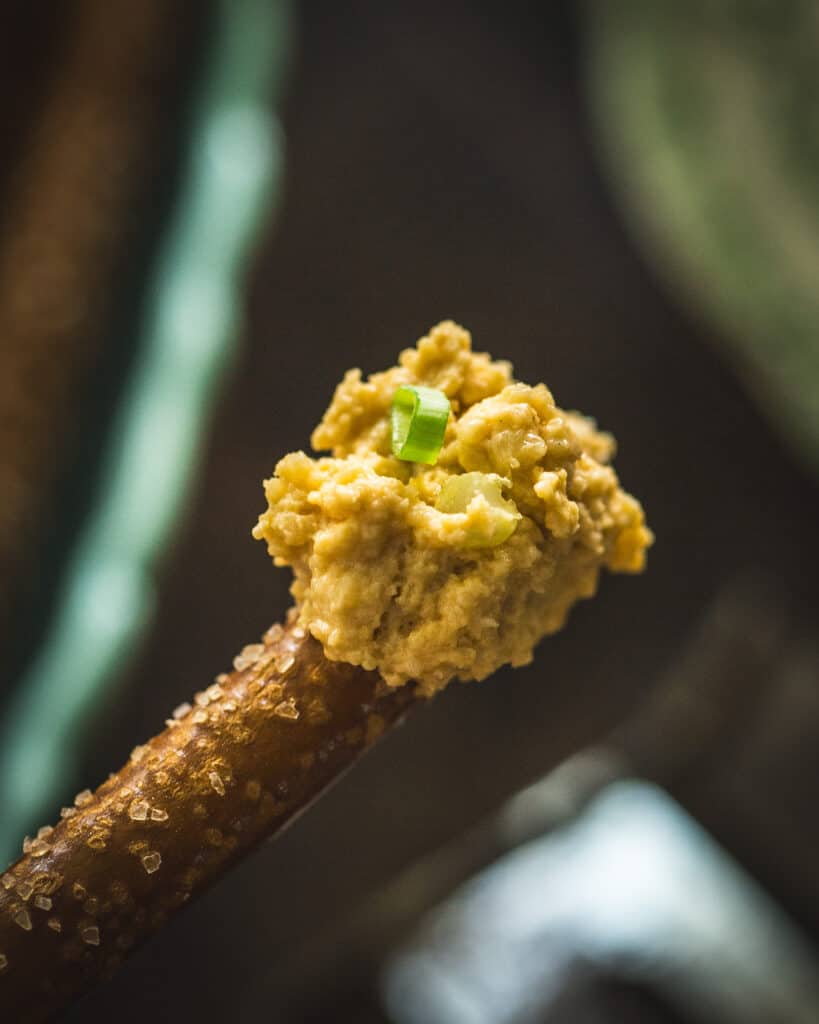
44 832
4 961
216 781
54 924
215 692
83 798
151 861
317 711
138 811
25 889
138 753
181 710
7 881
90 934
42 902
287 662
98 840
38 848
22 919
68 812
199 717
287 709
247 656
157 814
202 699
47 882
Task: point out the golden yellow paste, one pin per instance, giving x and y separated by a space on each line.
388 577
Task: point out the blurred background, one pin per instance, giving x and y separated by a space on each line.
207 212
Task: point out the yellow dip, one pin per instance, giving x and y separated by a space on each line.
388 577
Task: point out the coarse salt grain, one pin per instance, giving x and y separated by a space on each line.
23 919
151 861
138 811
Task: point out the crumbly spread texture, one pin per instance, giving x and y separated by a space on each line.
385 580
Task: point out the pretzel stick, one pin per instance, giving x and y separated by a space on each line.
254 750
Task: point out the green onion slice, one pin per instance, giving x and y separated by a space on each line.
500 517
418 419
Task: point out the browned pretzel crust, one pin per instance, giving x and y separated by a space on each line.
252 752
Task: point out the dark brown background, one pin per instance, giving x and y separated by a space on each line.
440 164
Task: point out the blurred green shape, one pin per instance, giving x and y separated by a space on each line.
706 115
191 320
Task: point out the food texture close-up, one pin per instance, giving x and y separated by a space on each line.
408 468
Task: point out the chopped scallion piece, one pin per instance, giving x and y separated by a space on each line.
418 420
494 519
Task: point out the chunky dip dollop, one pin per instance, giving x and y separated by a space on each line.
430 572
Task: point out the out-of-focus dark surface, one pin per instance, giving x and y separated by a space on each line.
92 112
440 165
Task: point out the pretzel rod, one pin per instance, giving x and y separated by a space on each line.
425 571
251 753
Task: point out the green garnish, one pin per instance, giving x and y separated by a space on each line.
418 419
499 517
